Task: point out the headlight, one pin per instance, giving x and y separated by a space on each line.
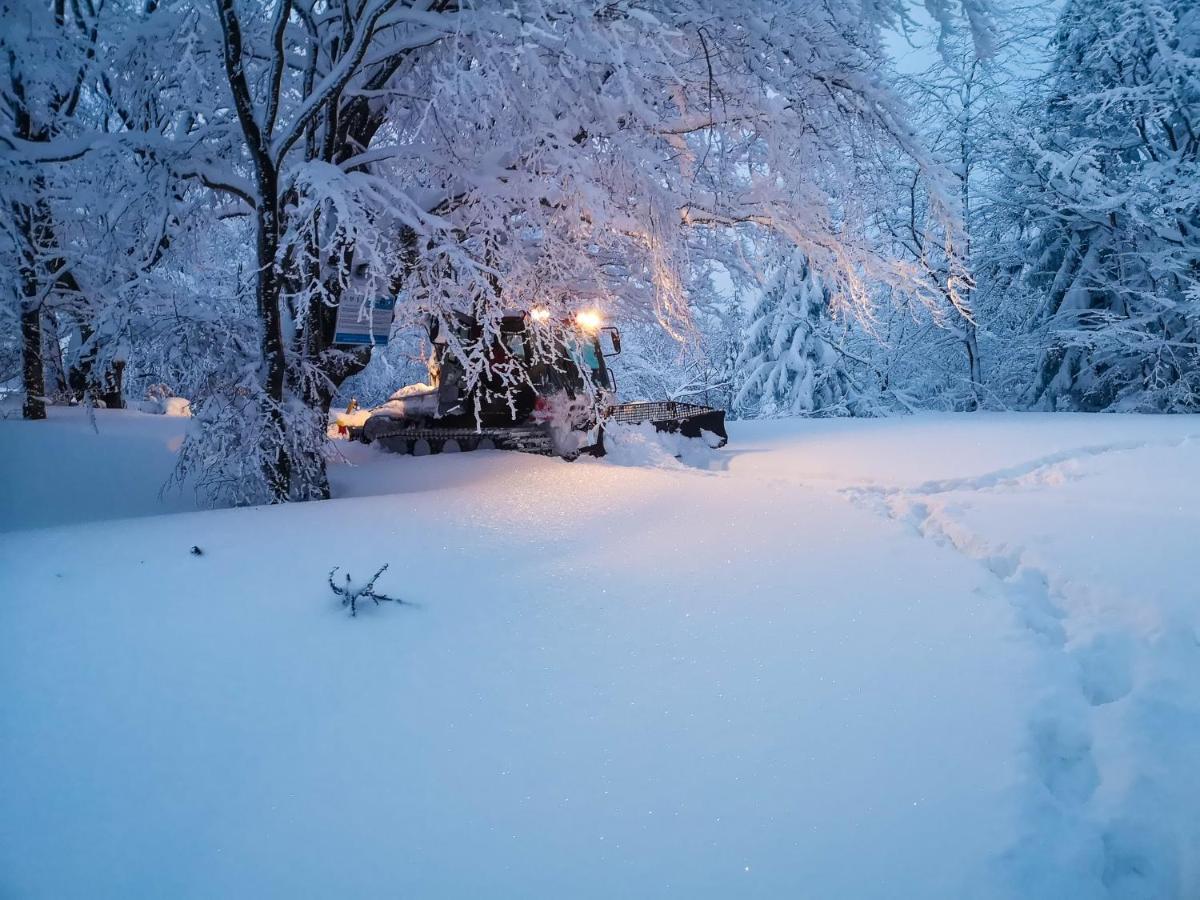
588 320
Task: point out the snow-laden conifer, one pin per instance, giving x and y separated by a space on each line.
1109 202
790 364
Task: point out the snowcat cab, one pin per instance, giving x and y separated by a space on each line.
548 390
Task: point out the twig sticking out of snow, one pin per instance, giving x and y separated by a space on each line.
350 595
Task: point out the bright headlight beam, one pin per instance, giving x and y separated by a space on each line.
588 320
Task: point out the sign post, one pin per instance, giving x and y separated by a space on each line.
360 322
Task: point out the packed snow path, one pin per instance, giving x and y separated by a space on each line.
931 656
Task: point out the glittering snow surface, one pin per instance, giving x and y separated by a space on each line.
927 656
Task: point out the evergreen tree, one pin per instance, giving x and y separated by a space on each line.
1110 196
789 365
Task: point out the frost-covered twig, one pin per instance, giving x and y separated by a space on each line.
350 595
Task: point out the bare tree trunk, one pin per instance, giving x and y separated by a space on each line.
83 378
33 215
80 375
271 319
111 394
52 358
973 366
269 286
966 147
267 278
32 370
267 152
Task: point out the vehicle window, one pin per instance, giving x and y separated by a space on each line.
587 353
515 343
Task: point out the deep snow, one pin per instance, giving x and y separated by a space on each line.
933 656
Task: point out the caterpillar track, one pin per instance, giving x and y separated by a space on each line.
417 439
397 437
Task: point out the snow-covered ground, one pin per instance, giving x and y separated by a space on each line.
927 656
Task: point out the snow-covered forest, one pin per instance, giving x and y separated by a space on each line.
852 351
786 215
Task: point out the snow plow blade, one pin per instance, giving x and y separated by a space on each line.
688 419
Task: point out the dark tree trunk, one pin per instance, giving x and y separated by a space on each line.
973 366
33 216
83 379
31 354
342 137
33 370
267 280
79 377
269 286
268 293
107 387
111 394
52 359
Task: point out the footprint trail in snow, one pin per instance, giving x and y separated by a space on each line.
1114 728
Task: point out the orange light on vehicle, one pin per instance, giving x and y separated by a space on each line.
588 320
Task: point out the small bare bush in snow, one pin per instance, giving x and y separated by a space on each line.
351 595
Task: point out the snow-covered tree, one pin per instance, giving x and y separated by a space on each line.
790 364
290 157
474 188
1107 194
963 102
45 60
94 204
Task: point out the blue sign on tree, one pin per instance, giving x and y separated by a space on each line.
364 322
